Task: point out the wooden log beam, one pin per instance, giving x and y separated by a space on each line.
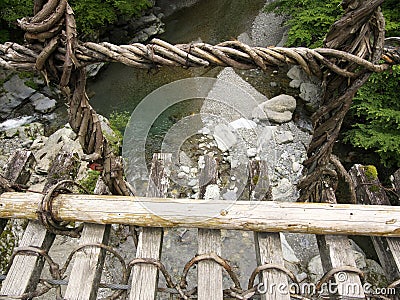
268 216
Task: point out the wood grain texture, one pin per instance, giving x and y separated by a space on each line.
268 246
269 251
25 271
86 271
209 273
336 252
17 171
369 191
145 277
266 216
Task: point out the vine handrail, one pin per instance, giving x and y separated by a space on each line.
353 50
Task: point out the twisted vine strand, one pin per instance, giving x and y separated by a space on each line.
159 53
55 51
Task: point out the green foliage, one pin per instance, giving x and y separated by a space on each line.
10 11
93 14
371 172
29 79
118 121
89 182
310 20
391 10
376 111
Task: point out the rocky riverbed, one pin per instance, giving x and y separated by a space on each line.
274 128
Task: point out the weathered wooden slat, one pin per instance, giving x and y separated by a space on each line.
396 182
18 171
269 251
145 277
209 273
266 216
25 271
88 265
336 252
268 245
19 167
369 191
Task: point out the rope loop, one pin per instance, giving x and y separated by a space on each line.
45 210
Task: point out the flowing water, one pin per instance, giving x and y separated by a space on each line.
119 88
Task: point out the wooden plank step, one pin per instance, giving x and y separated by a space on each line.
369 191
336 252
268 245
23 275
86 271
18 171
145 277
209 273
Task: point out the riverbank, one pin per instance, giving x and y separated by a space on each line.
280 138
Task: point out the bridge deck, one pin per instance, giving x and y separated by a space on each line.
141 280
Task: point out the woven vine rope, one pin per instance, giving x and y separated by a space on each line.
354 49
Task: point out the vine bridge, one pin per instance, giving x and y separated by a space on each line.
353 49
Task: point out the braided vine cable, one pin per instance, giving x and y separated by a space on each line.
354 48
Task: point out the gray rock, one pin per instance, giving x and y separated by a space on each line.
278 109
288 253
245 38
297 73
283 191
281 103
243 123
224 137
93 69
152 30
315 269
17 88
25 132
295 83
311 93
279 117
63 139
42 103
212 192
8 103
145 20
141 36
252 152
284 137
